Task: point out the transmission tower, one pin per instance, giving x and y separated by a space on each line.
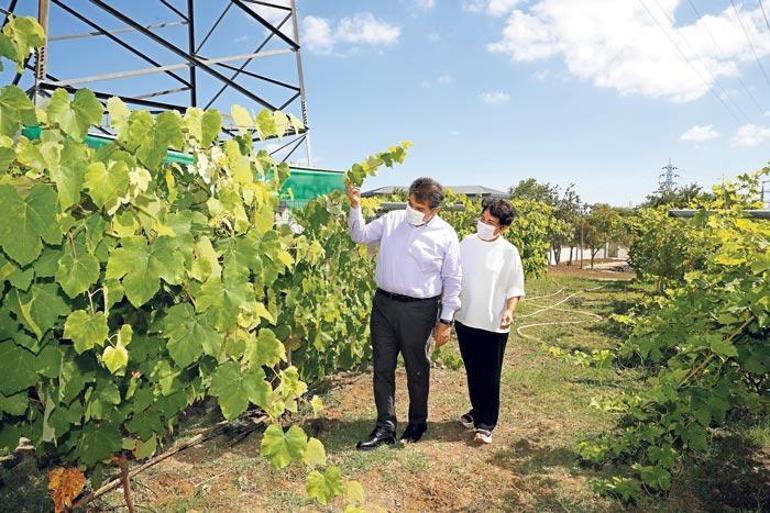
667 179
172 54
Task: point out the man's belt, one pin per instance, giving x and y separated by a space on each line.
405 299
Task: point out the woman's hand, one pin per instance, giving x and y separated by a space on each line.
507 319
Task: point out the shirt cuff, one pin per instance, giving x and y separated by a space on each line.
447 313
514 293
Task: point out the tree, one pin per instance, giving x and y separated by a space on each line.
531 189
602 225
566 210
677 197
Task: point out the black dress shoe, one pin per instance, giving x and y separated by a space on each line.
413 433
376 438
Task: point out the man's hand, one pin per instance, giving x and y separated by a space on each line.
506 320
441 333
354 194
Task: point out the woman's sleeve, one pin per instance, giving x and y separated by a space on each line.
516 281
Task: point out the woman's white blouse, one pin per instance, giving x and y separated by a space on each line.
492 273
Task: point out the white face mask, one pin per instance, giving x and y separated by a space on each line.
485 231
414 217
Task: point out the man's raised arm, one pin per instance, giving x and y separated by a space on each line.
360 231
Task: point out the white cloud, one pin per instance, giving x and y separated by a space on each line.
541 75
275 15
425 84
320 36
317 35
491 7
767 113
495 97
751 135
434 36
700 133
616 44
425 4
445 79
364 28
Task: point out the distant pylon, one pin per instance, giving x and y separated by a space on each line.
667 180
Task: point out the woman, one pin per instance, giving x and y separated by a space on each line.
492 283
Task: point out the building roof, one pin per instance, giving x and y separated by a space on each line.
468 190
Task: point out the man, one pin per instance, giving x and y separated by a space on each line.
418 264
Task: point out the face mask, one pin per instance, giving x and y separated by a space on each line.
485 231
414 217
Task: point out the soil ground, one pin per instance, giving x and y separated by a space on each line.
531 466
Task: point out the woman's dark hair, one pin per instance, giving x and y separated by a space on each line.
499 208
427 190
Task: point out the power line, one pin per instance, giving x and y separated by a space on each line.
717 83
687 60
721 51
751 44
764 15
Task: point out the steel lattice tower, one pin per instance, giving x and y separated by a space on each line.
191 57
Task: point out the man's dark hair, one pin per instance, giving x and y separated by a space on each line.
427 190
499 208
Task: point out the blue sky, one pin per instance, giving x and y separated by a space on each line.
596 92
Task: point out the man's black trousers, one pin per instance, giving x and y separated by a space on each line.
482 353
405 327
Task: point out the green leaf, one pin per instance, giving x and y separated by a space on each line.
227 387
723 347
15 404
141 266
69 173
107 184
324 487
86 330
27 221
211 126
40 307
76 117
267 350
224 300
17 367
189 335
282 448
115 358
49 360
15 108
98 442
315 454
354 492
119 115
206 262
78 270
26 34
242 118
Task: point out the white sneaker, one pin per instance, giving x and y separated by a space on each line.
483 436
467 421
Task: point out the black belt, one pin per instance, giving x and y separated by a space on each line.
405 299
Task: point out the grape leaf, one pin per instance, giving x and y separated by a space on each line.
78 270
315 454
86 330
97 442
107 184
74 117
17 366
266 350
27 221
189 336
281 448
141 266
324 487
